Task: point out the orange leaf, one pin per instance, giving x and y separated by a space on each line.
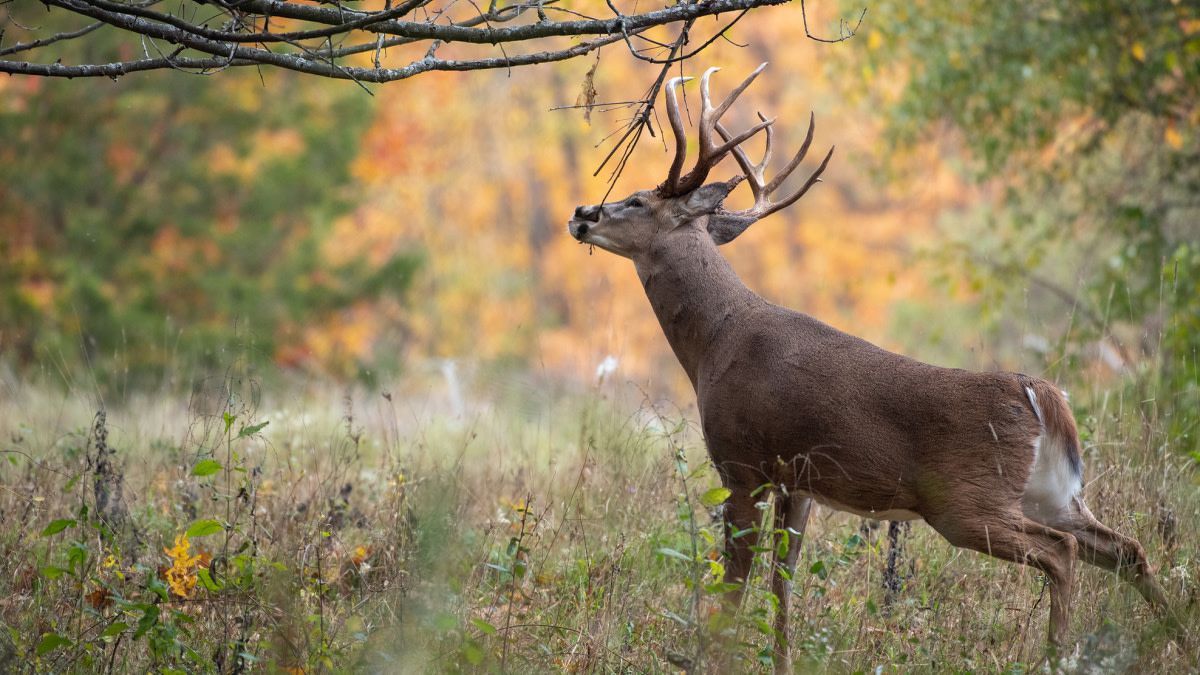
99 598
1172 136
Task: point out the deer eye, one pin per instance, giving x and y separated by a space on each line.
636 202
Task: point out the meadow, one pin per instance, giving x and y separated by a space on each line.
528 526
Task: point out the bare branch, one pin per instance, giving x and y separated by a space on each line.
317 38
367 75
44 42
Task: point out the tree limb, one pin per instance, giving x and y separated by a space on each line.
322 37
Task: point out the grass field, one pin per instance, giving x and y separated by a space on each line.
298 529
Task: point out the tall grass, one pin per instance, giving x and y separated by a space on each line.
248 530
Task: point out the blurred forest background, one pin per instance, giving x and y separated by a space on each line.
1015 186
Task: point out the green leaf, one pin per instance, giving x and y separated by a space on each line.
474 653
818 568
738 534
51 642
716 569
148 620
58 526
115 629
203 528
229 420
251 430
207 581
484 626
52 572
77 553
206 468
674 554
715 496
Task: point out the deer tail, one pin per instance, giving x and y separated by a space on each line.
1057 472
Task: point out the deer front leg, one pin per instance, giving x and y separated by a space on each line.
791 519
741 536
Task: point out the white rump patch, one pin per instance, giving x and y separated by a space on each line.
1052 484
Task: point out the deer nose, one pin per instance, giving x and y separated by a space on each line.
591 213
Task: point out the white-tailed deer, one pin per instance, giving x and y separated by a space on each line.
990 460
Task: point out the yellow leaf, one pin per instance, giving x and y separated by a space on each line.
1172 136
1139 52
874 40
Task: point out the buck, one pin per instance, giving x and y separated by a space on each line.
989 460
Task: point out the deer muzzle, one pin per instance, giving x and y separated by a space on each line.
585 217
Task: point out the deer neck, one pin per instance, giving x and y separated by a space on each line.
695 294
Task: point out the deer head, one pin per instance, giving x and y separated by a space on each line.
632 224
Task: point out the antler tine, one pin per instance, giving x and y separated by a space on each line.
763 206
812 180
710 154
737 91
753 171
680 133
787 170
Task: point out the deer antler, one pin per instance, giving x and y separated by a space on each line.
710 153
763 206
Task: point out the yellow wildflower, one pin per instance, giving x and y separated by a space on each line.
181 577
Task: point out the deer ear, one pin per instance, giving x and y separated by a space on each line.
725 228
702 201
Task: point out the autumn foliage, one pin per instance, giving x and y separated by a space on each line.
326 231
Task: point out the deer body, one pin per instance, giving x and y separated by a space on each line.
787 400
990 460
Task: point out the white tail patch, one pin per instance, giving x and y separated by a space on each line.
1053 482
1037 409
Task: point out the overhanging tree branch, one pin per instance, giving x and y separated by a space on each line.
332 39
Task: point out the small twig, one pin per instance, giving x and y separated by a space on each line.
673 58
641 119
487 22
23 46
846 33
379 39
612 105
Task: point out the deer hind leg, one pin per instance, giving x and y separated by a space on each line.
1114 552
1015 538
791 519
